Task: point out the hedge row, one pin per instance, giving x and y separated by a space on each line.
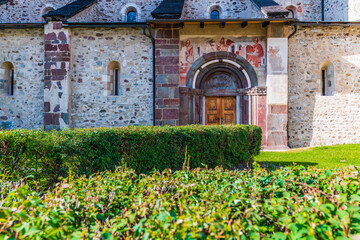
290 203
50 155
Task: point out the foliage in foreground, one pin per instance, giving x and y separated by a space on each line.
50 155
289 203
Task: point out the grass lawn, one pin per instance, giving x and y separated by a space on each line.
320 157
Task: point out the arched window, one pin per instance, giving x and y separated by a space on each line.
293 11
215 14
113 86
7 78
131 15
44 11
327 79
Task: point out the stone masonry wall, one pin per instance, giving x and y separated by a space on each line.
342 10
92 51
27 11
167 74
195 9
25 50
324 120
115 11
306 10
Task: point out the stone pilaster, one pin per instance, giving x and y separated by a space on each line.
167 74
57 76
277 92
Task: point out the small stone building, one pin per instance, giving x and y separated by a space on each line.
290 66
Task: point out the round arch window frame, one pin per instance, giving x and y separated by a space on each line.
130 11
212 8
128 8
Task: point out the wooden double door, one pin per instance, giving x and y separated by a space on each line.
220 110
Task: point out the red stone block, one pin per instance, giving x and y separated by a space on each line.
170 114
160 41
51 119
64 47
159 101
59 72
168 60
171 102
50 36
57 78
57 26
60 59
158 114
62 36
50 47
174 69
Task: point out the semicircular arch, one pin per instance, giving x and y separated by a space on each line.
221 60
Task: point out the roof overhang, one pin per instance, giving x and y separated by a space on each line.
3 2
20 25
258 20
104 25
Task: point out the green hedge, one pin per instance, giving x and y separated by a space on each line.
288 203
50 155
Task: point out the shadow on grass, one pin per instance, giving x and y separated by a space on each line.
272 165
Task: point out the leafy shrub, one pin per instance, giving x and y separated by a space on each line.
289 203
50 155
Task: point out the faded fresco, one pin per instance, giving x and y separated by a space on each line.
252 49
277 55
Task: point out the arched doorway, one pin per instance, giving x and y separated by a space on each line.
218 89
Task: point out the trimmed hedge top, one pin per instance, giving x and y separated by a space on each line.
50 155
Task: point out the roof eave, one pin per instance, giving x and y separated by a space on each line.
53 16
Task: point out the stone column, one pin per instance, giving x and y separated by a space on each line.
167 74
57 82
277 88
258 110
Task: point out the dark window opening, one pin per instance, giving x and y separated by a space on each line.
116 82
215 14
11 82
323 82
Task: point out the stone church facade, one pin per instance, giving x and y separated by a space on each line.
290 66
